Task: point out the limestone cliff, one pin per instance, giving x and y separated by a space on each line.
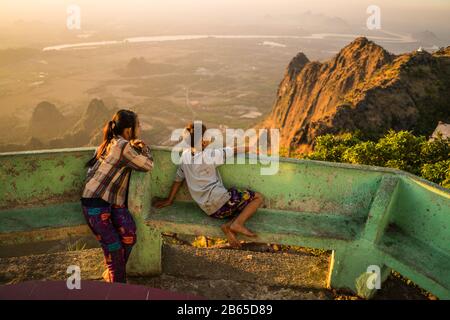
364 88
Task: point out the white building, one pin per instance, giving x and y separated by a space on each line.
443 128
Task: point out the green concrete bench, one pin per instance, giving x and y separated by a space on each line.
416 259
20 224
417 241
39 195
367 216
274 226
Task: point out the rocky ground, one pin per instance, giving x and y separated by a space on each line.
210 272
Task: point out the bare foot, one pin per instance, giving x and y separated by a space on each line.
106 276
237 228
230 236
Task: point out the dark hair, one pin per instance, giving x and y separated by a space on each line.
196 138
122 120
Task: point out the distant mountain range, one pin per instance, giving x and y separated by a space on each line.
50 129
363 88
312 21
427 38
138 67
87 130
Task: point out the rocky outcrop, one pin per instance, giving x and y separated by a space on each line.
50 129
138 67
427 38
87 130
362 88
46 122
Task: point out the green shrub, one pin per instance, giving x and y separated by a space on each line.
365 152
436 150
438 172
399 150
331 148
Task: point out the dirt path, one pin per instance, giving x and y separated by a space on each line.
212 273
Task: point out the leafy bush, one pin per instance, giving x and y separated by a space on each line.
399 150
438 172
332 148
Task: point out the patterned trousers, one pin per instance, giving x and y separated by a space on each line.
115 229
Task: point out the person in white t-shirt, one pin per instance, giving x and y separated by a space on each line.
207 190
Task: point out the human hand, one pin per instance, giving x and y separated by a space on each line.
138 144
161 203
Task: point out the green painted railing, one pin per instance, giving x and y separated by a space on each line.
370 217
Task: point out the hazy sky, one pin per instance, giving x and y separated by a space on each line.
423 14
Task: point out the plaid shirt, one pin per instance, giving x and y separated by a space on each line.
108 177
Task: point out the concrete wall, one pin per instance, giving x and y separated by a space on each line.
405 219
